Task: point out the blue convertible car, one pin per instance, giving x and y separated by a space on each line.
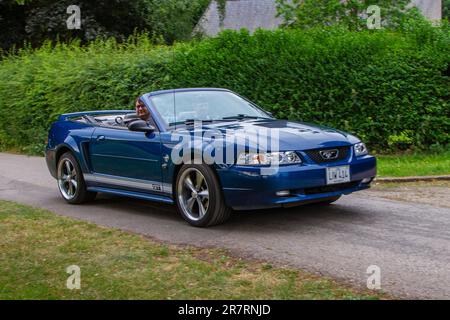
207 150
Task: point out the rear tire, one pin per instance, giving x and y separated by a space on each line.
70 179
199 196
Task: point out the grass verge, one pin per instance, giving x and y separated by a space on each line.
414 165
37 246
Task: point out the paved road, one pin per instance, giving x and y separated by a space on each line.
410 242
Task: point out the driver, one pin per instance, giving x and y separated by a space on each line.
142 111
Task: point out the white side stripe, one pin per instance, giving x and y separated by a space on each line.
129 182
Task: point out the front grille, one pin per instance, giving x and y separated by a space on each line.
331 188
343 153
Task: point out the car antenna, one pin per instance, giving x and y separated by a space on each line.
174 99
174 108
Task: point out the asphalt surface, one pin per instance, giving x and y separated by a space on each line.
410 242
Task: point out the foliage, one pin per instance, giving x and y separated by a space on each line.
174 19
70 77
374 84
350 13
42 20
389 88
446 9
221 8
401 141
11 24
39 20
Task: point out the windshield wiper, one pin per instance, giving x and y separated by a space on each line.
236 117
190 122
243 116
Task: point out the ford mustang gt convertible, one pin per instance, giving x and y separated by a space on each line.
207 150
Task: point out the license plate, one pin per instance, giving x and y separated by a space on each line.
338 175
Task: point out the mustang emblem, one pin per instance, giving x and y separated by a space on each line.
329 154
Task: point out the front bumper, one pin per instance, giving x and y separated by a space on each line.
246 189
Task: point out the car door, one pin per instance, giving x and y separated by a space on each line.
126 160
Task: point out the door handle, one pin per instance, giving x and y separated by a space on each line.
100 138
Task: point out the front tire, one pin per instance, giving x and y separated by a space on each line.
199 197
70 179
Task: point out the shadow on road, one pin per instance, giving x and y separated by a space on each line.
275 218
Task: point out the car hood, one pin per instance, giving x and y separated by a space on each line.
292 135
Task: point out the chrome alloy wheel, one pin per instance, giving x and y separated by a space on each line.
193 194
67 179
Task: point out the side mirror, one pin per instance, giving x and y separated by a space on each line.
140 126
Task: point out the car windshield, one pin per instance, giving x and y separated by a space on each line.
187 106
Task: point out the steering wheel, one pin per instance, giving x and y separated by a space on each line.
119 120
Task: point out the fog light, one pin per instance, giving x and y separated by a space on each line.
367 180
283 193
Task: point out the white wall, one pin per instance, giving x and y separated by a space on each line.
432 9
252 14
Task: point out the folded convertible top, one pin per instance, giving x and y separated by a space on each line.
66 116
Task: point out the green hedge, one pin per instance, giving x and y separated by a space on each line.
390 89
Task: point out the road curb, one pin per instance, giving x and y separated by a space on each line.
413 179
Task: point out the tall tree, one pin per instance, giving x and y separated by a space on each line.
35 21
446 9
350 13
175 19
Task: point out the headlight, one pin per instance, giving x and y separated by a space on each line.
360 149
268 158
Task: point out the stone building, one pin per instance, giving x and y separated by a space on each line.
253 14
